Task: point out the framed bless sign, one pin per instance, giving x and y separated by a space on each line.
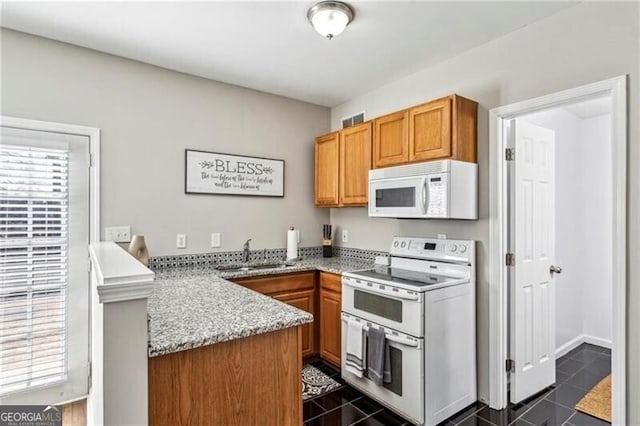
214 173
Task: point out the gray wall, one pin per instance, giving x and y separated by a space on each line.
148 116
582 44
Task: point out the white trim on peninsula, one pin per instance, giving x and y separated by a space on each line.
120 277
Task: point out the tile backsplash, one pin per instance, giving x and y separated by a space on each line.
269 255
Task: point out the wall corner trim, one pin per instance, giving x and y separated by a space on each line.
120 277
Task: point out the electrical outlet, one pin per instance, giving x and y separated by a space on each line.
215 239
181 241
118 234
345 236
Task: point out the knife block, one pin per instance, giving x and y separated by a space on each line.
327 248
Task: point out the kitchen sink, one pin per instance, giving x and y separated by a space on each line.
252 267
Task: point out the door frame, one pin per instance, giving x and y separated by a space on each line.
616 88
93 134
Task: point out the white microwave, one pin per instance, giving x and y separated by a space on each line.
443 189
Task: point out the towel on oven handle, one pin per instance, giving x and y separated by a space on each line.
378 357
355 348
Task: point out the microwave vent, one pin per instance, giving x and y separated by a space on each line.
417 169
353 120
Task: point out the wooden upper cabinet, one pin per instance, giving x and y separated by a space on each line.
343 161
355 163
430 131
390 136
464 129
327 151
440 129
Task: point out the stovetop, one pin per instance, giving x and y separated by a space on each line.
404 276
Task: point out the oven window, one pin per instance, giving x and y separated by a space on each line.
396 197
379 305
395 356
396 371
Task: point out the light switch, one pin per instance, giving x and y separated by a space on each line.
345 236
118 234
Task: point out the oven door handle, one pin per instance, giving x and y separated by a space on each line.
401 341
391 337
396 295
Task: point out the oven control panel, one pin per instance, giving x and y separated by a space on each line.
433 248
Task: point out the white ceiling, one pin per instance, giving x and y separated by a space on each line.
270 46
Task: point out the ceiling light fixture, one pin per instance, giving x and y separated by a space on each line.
330 18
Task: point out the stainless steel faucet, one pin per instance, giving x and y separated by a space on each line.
245 251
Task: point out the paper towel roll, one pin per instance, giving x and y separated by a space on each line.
292 244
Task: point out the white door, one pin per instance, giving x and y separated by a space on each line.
532 284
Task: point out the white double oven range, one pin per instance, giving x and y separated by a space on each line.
424 301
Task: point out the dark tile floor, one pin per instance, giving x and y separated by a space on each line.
576 373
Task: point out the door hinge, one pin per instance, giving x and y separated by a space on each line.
510 259
510 365
89 370
510 154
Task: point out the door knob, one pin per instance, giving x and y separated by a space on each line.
555 269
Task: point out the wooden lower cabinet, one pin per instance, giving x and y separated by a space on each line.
304 300
324 335
296 289
250 381
330 320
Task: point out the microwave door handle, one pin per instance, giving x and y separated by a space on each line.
424 198
380 291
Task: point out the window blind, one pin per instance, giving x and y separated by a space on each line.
33 266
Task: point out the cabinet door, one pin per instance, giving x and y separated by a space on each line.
355 162
302 300
330 325
430 131
327 170
390 139
273 284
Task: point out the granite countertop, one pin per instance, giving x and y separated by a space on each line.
197 306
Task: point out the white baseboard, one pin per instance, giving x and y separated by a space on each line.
598 341
577 341
570 345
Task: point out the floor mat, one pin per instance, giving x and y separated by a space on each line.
315 382
597 402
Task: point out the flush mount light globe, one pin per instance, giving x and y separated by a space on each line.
330 18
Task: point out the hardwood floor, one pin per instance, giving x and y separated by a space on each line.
75 413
